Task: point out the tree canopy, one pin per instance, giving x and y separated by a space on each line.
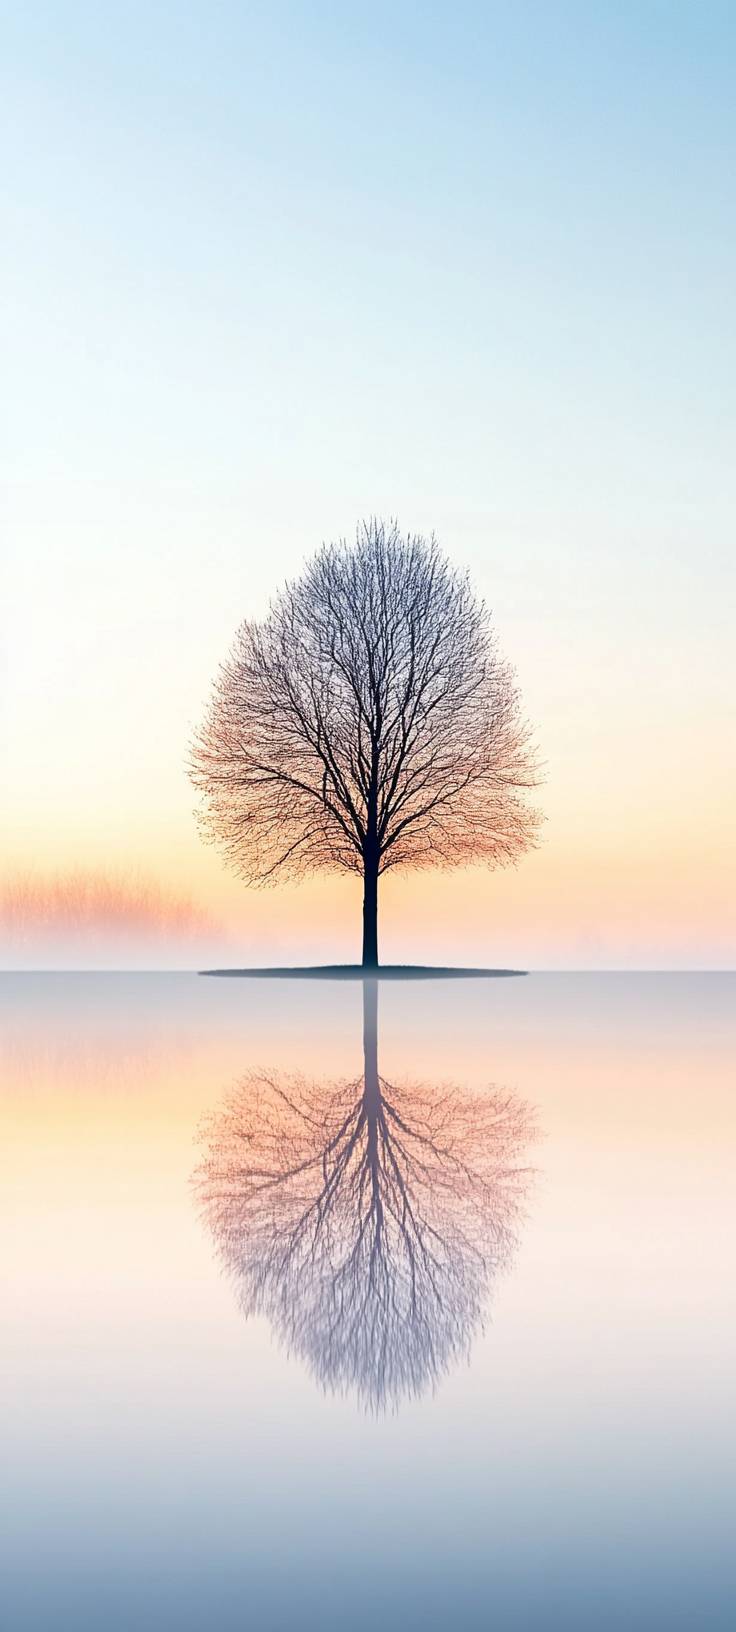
368 722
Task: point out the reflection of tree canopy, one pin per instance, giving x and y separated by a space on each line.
367 1219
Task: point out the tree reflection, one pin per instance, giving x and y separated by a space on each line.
367 1220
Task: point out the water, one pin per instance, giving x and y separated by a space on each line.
536 1432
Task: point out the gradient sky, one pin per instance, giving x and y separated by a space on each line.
276 267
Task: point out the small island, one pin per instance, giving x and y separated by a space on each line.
356 971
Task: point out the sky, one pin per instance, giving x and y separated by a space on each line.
275 268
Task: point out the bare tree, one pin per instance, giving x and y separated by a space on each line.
366 1220
367 723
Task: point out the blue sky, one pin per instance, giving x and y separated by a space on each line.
497 236
277 267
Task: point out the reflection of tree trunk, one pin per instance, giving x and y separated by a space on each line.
372 1113
370 912
370 1044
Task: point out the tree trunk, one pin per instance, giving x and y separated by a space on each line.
370 913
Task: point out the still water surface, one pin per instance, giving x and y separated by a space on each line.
328 1308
